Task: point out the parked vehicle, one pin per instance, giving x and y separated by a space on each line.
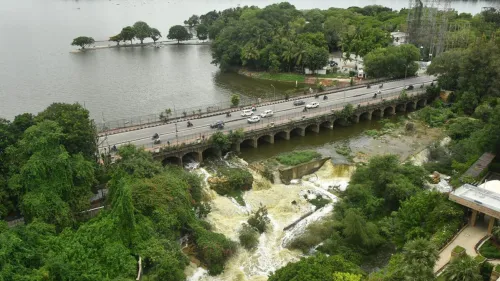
217 125
298 102
267 113
312 105
246 112
253 119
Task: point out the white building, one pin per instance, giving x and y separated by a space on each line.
399 38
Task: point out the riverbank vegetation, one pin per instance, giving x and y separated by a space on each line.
297 157
48 174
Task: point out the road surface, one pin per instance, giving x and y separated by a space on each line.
167 132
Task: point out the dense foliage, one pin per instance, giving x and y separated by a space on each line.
281 38
140 31
297 157
392 62
48 170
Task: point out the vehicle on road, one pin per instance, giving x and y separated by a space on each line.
189 124
246 112
228 114
267 113
325 97
253 119
217 125
312 105
157 141
410 87
298 102
155 136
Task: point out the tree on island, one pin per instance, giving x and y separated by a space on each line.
142 31
192 21
202 32
82 41
179 33
127 34
117 38
155 34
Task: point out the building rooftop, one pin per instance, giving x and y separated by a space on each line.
479 197
478 167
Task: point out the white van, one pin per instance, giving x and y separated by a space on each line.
267 113
247 112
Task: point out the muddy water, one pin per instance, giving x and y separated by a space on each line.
324 142
227 217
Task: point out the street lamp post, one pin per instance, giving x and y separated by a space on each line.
274 96
176 136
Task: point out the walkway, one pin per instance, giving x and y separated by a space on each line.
468 239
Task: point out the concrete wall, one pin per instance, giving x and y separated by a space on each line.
301 170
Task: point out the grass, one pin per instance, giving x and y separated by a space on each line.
458 249
343 150
288 77
334 75
297 157
372 133
489 250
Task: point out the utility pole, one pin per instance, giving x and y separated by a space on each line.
176 136
274 96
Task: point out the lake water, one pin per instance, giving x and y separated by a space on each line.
38 68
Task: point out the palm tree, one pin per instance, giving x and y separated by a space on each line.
419 258
250 53
299 53
288 54
463 269
495 234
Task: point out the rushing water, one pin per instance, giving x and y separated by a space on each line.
227 217
37 66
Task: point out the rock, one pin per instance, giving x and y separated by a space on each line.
295 181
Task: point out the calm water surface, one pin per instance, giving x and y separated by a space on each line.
38 68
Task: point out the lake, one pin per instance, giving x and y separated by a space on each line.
38 67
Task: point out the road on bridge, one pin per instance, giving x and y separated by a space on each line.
167 132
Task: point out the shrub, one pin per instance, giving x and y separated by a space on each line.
319 202
485 270
230 180
489 250
315 233
235 100
259 219
297 157
343 150
213 249
371 133
249 237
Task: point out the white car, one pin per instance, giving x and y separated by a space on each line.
312 105
267 113
246 112
253 119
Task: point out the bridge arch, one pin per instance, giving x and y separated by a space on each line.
379 113
282 135
252 142
210 152
299 131
365 115
265 139
172 160
341 122
327 124
312 128
421 103
193 156
411 105
390 110
401 107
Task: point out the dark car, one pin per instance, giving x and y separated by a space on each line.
410 87
299 102
217 125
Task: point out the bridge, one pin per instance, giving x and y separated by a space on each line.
298 123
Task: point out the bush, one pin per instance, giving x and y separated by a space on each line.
485 270
343 150
315 233
319 202
371 133
249 237
435 117
297 157
235 100
489 250
213 249
259 219
231 180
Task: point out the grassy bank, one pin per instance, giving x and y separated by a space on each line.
284 77
297 157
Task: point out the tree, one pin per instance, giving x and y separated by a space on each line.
344 276
419 258
83 41
142 30
127 34
179 33
51 183
393 62
192 21
202 32
248 236
316 57
117 38
80 135
220 141
235 100
155 34
461 269
314 268
259 219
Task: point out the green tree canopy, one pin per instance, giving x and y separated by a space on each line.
179 33
155 34
127 34
202 32
192 21
83 41
142 30
392 62
463 268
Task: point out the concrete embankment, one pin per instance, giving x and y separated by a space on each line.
110 45
298 171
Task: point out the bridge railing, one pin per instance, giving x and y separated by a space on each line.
191 112
175 143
